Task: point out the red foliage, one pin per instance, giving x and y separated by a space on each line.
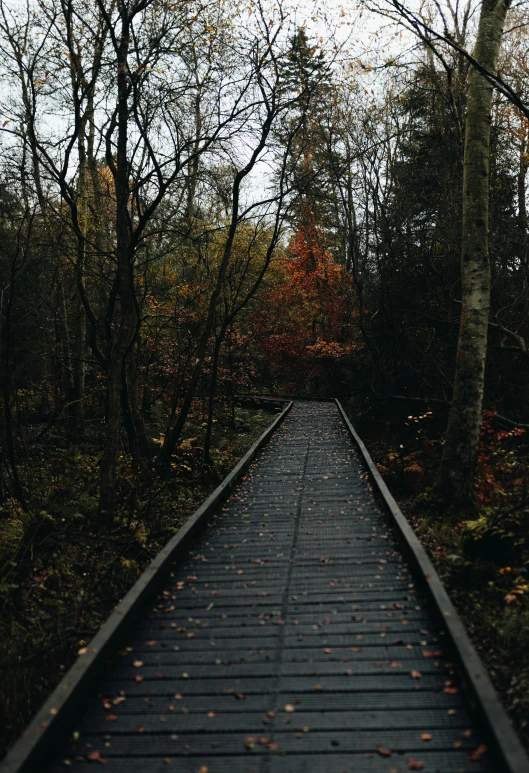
488 483
303 326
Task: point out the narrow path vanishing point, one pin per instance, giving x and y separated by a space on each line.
292 639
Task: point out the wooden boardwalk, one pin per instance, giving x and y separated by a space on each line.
292 639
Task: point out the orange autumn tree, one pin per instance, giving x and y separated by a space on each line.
304 325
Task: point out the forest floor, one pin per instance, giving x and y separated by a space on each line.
482 555
57 592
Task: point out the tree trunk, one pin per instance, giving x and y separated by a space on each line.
522 200
458 466
126 327
212 389
79 366
5 362
141 443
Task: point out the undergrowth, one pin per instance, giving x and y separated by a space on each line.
62 571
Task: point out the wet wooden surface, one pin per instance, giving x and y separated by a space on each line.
292 639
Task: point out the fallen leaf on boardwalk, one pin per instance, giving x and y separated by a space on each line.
211 714
249 742
240 696
317 687
426 737
54 711
151 643
478 753
167 760
394 664
203 769
119 699
140 729
414 764
82 650
289 708
416 675
138 663
354 649
451 690
139 679
274 746
107 704
110 717
458 744
96 757
384 752
327 650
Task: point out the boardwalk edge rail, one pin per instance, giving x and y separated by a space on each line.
58 712
501 736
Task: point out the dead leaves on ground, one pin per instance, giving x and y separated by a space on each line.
414 764
250 742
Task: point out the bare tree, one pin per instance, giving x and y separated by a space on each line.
458 466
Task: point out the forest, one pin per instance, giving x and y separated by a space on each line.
202 202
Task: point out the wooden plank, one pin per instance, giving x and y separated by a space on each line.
333 703
279 762
153 741
410 725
